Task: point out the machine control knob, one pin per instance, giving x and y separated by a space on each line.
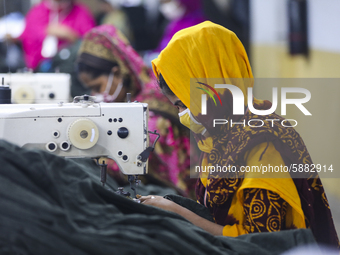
123 132
51 95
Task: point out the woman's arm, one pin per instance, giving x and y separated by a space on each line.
264 212
63 32
168 205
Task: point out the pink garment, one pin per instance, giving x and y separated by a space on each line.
78 18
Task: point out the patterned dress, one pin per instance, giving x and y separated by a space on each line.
246 202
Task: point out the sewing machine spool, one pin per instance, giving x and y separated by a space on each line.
83 133
24 95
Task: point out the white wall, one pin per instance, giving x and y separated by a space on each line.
324 21
269 33
269 23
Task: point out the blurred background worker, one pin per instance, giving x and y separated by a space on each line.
50 38
50 26
108 65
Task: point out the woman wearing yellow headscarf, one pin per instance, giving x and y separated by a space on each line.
240 202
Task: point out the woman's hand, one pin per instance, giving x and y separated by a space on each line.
62 32
160 202
9 38
168 205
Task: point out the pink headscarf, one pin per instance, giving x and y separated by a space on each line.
105 44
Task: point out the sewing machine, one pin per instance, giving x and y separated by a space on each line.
82 129
42 88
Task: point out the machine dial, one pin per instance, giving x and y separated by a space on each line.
83 133
24 95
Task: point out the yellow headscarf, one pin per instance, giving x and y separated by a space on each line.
206 50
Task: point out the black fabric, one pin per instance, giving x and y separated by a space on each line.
52 205
191 205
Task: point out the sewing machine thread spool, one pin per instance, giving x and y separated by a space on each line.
5 93
24 95
83 133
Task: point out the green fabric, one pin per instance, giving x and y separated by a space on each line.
51 205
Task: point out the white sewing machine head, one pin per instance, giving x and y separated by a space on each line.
42 88
81 129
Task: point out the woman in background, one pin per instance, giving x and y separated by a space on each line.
109 66
50 26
